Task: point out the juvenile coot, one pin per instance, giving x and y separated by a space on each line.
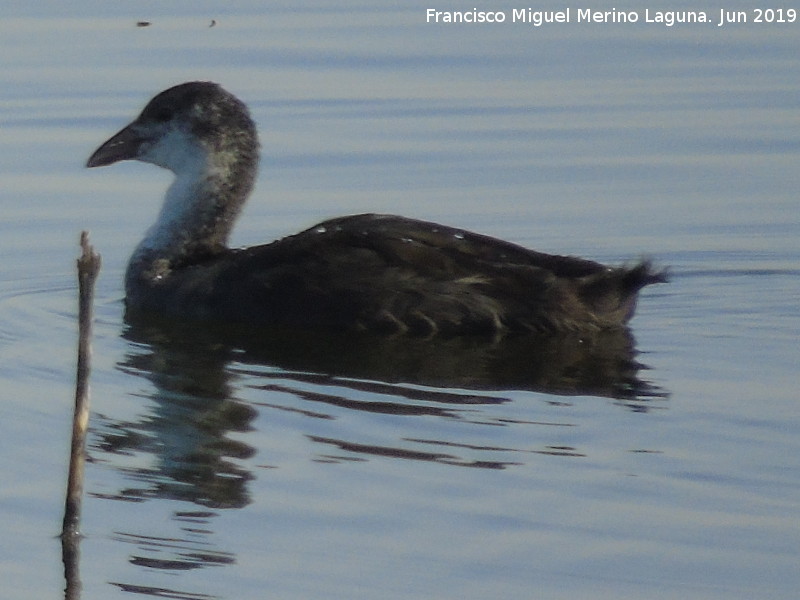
364 272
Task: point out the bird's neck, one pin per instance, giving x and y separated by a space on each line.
199 211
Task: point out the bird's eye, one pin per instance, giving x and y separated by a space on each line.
162 115
158 113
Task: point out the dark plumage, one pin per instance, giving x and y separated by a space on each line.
373 272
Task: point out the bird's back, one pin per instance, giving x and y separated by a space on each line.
395 275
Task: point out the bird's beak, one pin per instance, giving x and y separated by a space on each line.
124 145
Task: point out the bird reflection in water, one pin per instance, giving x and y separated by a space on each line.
194 415
195 410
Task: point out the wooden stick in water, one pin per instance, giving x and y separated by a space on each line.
88 268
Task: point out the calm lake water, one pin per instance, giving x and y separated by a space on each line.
309 470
